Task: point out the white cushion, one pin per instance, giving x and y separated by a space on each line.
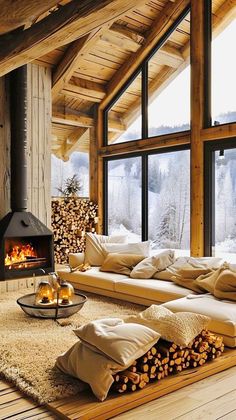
139 248
149 266
122 342
154 290
222 313
94 253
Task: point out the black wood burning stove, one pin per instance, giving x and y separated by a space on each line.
26 244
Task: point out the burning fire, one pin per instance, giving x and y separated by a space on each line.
19 254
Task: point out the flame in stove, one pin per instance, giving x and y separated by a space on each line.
19 253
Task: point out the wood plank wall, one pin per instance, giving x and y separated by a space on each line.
4 147
39 142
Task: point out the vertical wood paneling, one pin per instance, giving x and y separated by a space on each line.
4 148
39 142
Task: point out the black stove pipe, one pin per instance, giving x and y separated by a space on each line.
18 113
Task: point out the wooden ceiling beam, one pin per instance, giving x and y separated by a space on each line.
127 33
84 89
22 12
83 120
68 23
163 22
79 135
75 120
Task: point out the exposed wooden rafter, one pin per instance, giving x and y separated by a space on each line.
78 136
83 120
67 24
22 13
84 89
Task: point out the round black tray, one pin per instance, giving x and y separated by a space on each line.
50 311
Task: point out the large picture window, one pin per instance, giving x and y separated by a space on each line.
221 200
224 69
169 200
124 197
156 100
148 197
169 84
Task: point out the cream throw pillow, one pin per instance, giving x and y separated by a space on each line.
94 253
120 263
91 367
180 328
139 248
122 342
149 266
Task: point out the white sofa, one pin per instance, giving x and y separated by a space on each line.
147 292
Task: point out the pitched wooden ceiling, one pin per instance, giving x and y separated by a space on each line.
92 47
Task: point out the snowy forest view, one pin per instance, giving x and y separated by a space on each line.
168 198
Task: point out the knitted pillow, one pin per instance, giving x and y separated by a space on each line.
180 328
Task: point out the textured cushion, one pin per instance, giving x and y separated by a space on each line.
93 278
94 253
149 266
120 263
91 367
180 328
139 248
122 342
154 290
222 313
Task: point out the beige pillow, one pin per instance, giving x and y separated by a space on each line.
180 328
122 342
139 248
93 368
94 253
182 264
149 266
75 259
120 263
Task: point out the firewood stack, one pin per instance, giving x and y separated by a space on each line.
167 358
71 218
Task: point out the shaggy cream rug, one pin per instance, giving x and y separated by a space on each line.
29 346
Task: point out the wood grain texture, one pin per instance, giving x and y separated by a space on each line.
4 148
85 405
21 12
39 142
197 119
69 23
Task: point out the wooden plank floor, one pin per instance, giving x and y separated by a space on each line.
85 405
14 406
213 398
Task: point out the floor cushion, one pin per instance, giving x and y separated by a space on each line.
221 312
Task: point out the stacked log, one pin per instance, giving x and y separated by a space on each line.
71 218
167 358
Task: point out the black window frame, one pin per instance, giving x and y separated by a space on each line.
144 182
143 69
209 189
